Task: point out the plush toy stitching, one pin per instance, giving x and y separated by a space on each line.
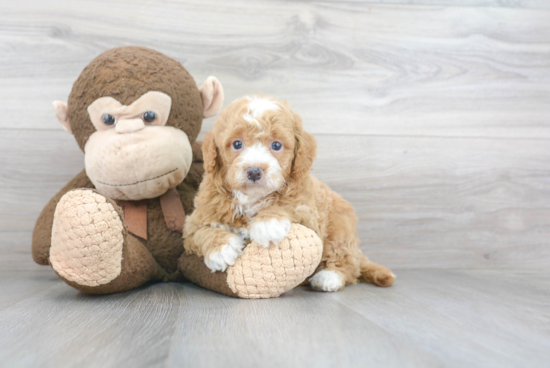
137 182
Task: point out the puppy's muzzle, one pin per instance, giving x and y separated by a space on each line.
254 173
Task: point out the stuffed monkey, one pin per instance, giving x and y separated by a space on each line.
136 114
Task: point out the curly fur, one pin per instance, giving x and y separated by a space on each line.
228 204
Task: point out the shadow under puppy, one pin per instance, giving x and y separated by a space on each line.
257 182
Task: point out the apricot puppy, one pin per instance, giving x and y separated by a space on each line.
257 182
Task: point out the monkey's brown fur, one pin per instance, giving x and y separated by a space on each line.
126 73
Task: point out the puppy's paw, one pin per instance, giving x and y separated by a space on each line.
327 280
219 261
264 232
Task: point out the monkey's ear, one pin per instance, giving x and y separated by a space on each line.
61 110
212 96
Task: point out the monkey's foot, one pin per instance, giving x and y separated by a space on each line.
261 272
268 272
87 239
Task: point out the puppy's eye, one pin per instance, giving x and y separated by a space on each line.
108 119
237 145
276 146
149 116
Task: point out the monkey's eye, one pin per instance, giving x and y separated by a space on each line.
237 145
149 116
108 119
276 146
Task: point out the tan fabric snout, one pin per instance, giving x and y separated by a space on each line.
138 165
129 125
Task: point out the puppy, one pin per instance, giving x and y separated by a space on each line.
257 182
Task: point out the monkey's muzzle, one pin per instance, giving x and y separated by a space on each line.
138 165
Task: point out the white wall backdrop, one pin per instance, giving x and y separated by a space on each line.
432 117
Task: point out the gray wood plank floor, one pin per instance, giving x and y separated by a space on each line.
430 318
432 118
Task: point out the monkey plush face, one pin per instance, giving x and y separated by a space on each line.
150 156
135 113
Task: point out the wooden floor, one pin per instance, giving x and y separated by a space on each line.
432 118
430 318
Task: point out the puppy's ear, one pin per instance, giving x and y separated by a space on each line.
305 151
210 153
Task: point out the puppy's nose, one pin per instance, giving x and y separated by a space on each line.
254 173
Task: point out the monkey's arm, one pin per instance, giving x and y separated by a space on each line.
190 185
42 234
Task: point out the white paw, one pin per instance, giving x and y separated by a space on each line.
219 261
326 280
264 232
